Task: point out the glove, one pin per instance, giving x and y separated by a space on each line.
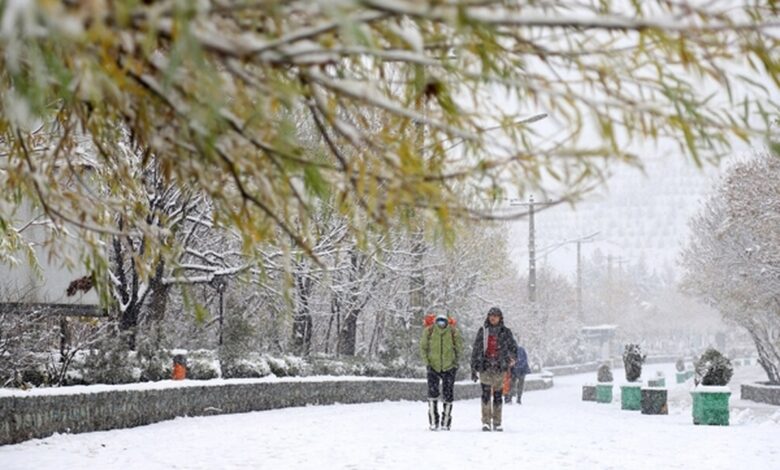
474 376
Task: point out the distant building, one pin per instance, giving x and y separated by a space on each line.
23 287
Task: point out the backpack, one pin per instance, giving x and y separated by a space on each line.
430 319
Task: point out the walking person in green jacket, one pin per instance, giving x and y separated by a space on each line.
441 347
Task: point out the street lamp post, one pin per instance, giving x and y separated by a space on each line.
579 241
220 284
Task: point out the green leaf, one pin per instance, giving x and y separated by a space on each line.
315 183
201 314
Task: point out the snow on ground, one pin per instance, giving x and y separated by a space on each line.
552 429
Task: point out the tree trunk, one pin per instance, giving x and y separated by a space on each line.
768 353
348 334
348 331
302 321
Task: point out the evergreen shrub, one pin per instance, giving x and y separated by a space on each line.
632 362
713 368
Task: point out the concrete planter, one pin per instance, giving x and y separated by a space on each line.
711 405
631 396
658 382
654 401
588 393
762 392
604 392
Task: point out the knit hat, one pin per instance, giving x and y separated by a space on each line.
442 318
495 311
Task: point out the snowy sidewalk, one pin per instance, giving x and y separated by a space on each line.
552 429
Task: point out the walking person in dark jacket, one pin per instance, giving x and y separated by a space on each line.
493 354
516 377
440 348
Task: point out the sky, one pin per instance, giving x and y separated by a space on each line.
551 429
637 216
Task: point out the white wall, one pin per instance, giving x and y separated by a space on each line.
50 287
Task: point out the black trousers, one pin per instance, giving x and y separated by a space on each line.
447 381
516 385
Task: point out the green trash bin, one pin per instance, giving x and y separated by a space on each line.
711 405
604 393
631 396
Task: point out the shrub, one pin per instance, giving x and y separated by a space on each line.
110 363
253 366
712 368
632 361
155 364
203 364
680 365
604 374
288 366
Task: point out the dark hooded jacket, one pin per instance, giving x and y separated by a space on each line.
507 348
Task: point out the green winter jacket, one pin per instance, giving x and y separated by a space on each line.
441 348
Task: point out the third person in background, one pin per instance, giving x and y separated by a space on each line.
514 380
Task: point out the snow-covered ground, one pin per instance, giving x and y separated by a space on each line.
552 429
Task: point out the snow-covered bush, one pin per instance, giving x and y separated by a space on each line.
253 365
604 373
155 364
632 362
680 365
712 368
203 364
22 339
110 362
288 366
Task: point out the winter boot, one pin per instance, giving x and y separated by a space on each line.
508 400
446 416
486 428
433 414
496 414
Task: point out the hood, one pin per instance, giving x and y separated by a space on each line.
494 310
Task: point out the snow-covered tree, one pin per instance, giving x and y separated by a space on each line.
215 89
733 258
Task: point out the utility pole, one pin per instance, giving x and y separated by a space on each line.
531 244
531 252
579 282
580 241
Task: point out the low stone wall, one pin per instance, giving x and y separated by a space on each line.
41 415
761 392
615 363
574 368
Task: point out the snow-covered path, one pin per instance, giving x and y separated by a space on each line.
552 429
